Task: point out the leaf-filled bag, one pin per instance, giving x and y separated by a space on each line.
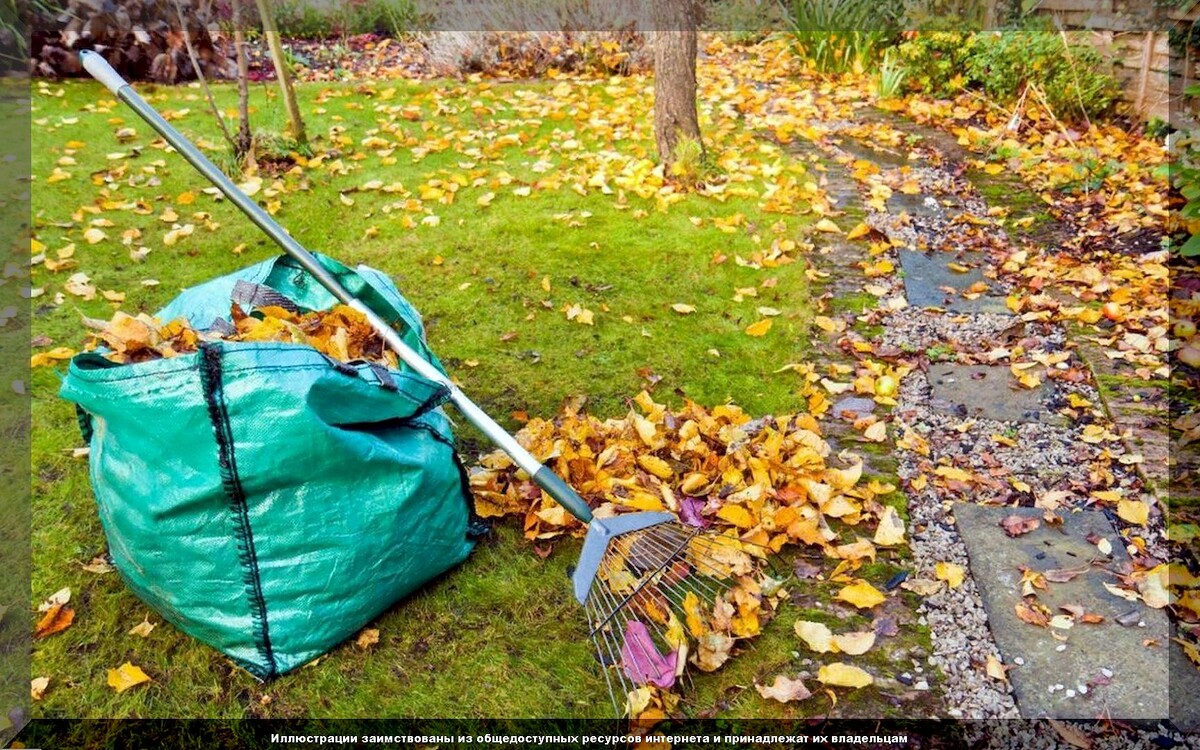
263 497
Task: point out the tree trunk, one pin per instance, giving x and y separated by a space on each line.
271 34
674 77
244 142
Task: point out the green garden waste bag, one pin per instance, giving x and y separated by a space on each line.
263 497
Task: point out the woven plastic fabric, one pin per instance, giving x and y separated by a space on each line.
262 497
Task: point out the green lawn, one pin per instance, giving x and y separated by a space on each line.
500 636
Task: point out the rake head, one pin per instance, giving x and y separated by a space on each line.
652 580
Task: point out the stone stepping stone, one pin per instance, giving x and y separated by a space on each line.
985 391
928 275
885 159
1137 677
1185 689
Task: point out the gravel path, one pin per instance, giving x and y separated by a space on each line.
1045 456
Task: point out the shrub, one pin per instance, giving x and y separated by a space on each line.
745 21
1072 77
303 20
935 61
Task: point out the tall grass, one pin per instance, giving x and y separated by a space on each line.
843 36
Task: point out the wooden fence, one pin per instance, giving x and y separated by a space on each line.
1134 35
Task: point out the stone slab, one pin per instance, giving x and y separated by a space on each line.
1139 687
886 159
1185 689
985 391
927 275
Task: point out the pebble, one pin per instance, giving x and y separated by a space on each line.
1019 661
1061 647
1106 672
1070 693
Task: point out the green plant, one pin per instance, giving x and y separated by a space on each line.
840 36
743 21
687 165
1184 173
891 75
1158 128
935 61
302 20
1073 78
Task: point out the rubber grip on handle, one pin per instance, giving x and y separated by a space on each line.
554 486
98 68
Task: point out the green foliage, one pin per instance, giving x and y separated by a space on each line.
946 15
935 60
743 21
302 20
841 36
891 76
1072 77
1184 172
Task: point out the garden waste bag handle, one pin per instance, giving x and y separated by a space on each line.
551 483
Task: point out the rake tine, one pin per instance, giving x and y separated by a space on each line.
602 642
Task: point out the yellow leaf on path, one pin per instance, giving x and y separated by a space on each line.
784 690
861 594
844 675
854 644
890 530
736 515
126 676
829 325
815 635
1134 511
760 328
876 432
950 573
859 231
995 669
826 225
682 309
953 473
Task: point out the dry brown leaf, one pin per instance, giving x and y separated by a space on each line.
1016 525
784 689
367 637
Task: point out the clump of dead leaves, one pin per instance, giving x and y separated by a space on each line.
757 484
340 332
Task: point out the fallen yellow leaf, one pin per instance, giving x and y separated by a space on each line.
861 594
760 328
844 675
126 676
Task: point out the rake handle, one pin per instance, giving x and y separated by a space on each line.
551 483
